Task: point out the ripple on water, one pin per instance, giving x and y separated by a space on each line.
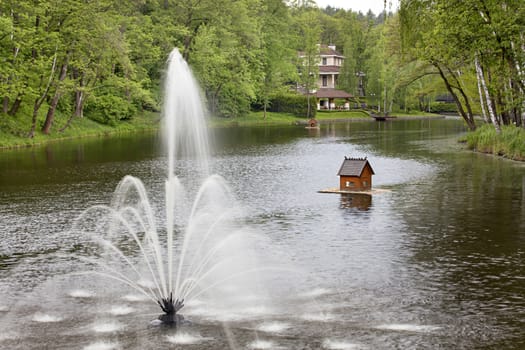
121 310
8 336
263 344
45 318
101 345
340 345
408 327
314 293
319 317
134 297
81 293
107 327
273 327
185 338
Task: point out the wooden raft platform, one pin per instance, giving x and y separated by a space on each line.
337 190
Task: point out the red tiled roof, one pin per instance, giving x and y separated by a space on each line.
332 93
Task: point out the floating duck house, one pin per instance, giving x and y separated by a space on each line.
355 174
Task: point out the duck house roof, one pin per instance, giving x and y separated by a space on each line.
354 167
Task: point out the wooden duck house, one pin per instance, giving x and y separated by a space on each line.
355 174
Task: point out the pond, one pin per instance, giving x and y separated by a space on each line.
434 260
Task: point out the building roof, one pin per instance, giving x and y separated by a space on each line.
329 69
332 93
325 51
329 50
354 167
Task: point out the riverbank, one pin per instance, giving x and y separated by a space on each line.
510 143
13 131
258 119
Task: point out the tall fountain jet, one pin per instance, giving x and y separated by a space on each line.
184 115
203 252
185 134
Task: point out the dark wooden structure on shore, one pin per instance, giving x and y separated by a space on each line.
381 118
355 174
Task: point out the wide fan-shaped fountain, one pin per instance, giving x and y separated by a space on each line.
203 252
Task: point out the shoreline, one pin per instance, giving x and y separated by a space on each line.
152 125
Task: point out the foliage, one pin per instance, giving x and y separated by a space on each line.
296 104
442 107
102 59
510 143
109 109
476 46
308 30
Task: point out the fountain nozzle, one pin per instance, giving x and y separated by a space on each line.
170 308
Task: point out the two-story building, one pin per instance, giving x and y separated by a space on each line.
330 64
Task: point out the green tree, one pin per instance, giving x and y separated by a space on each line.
227 57
467 41
309 32
278 56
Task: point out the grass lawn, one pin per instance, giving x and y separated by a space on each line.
256 119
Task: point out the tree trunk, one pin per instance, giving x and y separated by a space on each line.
490 106
504 114
36 107
480 92
5 105
459 87
308 104
15 106
41 99
79 105
54 102
50 116
79 109
468 119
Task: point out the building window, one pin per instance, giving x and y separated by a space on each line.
349 184
325 80
324 61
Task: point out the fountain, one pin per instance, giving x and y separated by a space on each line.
203 249
182 246
99 284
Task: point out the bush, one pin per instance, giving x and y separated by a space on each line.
233 102
292 103
443 107
109 109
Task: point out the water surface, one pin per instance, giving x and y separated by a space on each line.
434 262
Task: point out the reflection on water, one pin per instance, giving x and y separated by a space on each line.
360 201
438 261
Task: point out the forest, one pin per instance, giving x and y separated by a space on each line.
104 60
